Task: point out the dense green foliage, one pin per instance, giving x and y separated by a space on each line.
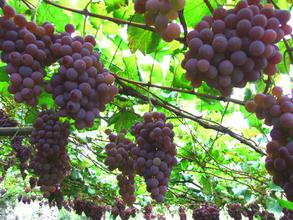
221 146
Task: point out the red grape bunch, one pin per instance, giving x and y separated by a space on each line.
82 87
265 215
287 214
206 212
235 46
182 213
160 13
157 152
25 48
121 155
90 209
23 153
235 210
251 211
119 209
50 161
277 110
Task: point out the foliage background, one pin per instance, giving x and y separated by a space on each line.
213 166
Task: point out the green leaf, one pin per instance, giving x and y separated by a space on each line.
143 40
286 204
3 74
123 120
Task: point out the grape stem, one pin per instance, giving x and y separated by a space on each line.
115 20
11 131
201 95
268 84
184 25
203 122
208 4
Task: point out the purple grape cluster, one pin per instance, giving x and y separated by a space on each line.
148 212
82 87
251 211
287 214
160 14
265 215
90 209
235 210
277 110
206 212
235 46
182 213
25 50
156 155
50 161
121 155
120 210
23 153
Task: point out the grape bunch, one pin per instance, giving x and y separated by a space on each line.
121 155
156 155
119 209
148 212
265 215
235 46
160 13
287 214
90 209
235 210
182 213
82 87
206 212
50 161
25 50
277 110
23 153
251 211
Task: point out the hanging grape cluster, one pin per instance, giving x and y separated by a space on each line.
148 212
277 110
251 211
157 152
235 46
25 50
82 87
235 210
287 214
23 152
120 210
265 215
50 161
206 212
120 155
160 14
182 213
90 209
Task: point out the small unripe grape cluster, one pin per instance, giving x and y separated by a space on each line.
160 14
235 210
121 155
235 46
277 110
156 155
206 212
50 161
82 87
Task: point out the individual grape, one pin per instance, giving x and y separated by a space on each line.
226 67
238 58
234 44
206 52
203 65
269 36
243 27
220 44
8 11
218 26
256 33
172 32
256 48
